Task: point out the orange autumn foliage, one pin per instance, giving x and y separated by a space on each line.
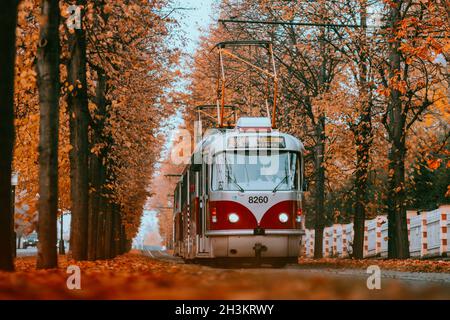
139 65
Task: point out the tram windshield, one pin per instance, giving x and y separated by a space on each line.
256 171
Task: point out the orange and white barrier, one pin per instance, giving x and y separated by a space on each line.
326 242
344 252
378 236
443 226
424 247
366 240
428 234
334 246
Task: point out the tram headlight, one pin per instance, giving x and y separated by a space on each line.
283 217
233 217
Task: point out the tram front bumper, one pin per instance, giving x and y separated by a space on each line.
241 246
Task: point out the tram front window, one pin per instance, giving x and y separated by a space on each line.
262 171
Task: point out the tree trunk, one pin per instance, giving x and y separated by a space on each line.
398 245
363 142
362 172
94 199
78 111
363 145
319 152
95 163
100 242
48 84
117 224
108 231
319 148
8 20
100 254
123 239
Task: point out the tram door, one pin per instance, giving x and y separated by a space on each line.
193 212
203 206
185 213
177 235
198 210
188 216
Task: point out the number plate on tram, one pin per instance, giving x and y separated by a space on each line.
258 199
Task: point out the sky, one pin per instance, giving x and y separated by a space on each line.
192 23
199 16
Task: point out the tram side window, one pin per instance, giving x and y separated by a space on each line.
206 186
302 179
175 199
193 186
298 172
184 189
200 193
200 183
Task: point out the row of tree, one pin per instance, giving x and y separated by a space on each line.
91 81
362 82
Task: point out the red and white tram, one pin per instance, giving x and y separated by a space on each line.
240 197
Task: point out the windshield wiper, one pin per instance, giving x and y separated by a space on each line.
278 185
231 178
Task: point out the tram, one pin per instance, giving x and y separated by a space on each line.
240 197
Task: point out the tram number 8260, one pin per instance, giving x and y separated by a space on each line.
260 199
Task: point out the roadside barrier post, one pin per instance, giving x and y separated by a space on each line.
424 248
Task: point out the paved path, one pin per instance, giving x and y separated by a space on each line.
409 279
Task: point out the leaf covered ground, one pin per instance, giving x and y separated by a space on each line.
406 265
134 276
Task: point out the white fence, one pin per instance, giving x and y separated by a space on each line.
427 232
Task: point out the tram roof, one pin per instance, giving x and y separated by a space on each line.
215 140
218 140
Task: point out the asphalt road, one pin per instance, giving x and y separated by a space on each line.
413 280
29 252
